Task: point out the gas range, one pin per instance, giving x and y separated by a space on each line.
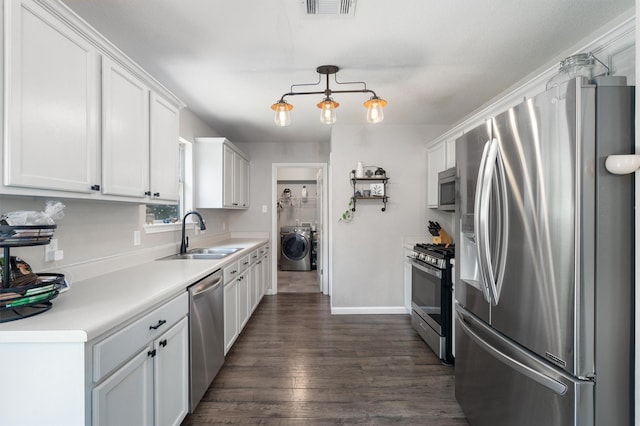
437 255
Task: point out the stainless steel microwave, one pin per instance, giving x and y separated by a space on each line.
447 190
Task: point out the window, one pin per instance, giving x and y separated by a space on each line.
158 216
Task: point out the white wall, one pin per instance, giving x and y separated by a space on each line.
262 156
367 259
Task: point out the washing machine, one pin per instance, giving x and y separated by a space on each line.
295 243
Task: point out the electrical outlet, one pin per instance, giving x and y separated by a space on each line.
136 238
264 208
51 251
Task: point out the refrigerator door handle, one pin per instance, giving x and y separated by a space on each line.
477 220
551 384
493 167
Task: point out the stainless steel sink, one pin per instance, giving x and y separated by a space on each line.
214 250
204 254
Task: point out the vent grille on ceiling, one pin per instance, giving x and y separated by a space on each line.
331 7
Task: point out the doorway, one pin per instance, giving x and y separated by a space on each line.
300 237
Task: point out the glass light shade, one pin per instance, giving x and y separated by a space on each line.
328 111
282 117
374 109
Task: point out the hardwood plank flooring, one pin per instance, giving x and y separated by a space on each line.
296 364
298 282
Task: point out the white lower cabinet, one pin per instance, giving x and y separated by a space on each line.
171 375
126 397
266 272
152 387
244 286
231 325
244 298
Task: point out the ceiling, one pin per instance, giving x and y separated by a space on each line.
433 61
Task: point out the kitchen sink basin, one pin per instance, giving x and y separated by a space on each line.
204 254
221 251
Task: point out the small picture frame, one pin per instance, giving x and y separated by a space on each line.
377 190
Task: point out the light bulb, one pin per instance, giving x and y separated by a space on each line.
374 109
282 117
328 111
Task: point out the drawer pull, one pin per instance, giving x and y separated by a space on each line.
158 325
163 342
151 353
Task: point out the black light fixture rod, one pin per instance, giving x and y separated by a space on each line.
328 92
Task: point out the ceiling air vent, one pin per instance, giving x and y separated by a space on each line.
331 7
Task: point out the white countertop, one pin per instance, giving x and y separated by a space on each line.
94 306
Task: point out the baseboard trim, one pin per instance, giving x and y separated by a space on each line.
368 310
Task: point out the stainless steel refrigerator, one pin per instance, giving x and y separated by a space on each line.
544 268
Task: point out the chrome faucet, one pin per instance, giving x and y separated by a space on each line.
185 240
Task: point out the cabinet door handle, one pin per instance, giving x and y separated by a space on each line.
163 342
95 187
157 326
156 194
151 353
147 193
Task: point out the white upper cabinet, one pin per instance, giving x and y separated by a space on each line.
51 95
125 132
222 174
451 153
440 157
82 120
164 157
230 175
436 162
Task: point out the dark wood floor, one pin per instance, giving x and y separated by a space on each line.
296 364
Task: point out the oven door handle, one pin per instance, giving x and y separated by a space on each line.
432 271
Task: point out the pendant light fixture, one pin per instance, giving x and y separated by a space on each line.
328 105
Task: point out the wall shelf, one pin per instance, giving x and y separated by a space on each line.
377 188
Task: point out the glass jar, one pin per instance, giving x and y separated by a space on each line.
580 65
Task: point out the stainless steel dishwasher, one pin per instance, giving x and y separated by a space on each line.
206 334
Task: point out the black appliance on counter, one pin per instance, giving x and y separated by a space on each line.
431 297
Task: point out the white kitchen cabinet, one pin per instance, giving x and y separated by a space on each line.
82 120
222 174
230 173
231 324
266 272
125 132
51 94
139 138
171 375
164 157
244 298
242 181
126 397
151 388
440 157
451 153
436 162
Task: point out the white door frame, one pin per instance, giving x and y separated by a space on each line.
324 220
